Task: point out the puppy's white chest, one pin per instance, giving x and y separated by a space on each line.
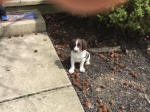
78 57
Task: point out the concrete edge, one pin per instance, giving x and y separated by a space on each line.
23 27
12 3
42 8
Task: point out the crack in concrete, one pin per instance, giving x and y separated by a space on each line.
33 94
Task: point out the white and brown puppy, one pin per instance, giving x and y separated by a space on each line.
79 54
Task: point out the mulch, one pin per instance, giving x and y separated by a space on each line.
115 81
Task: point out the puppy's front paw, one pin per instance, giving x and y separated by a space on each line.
82 69
87 63
71 70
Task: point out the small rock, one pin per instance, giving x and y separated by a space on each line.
98 89
112 79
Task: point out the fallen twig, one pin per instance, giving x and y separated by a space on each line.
146 97
105 49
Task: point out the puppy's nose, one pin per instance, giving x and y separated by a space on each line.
75 51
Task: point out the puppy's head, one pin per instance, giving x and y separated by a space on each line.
78 45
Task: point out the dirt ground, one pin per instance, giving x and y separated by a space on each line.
115 81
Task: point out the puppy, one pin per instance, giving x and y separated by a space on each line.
79 54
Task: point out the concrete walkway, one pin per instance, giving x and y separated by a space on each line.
32 78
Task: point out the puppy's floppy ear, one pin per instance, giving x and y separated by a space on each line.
84 44
72 44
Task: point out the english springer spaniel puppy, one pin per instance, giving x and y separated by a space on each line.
79 54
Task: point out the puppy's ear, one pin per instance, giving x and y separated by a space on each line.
72 44
84 44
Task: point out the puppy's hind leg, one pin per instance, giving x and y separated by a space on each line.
88 59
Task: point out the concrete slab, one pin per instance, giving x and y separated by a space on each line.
23 26
61 100
31 2
11 3
29 64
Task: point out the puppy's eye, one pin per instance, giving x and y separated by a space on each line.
79 45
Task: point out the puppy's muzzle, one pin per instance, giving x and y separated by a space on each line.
75 51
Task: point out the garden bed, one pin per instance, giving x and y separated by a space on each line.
115 81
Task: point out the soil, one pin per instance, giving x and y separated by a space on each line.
115 81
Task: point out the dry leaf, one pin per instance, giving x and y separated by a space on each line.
126 83
88 103
122 107
114 68
104 108
121 65
100 110
112 102
109 110
98 89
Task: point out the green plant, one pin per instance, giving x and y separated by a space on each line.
134 15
